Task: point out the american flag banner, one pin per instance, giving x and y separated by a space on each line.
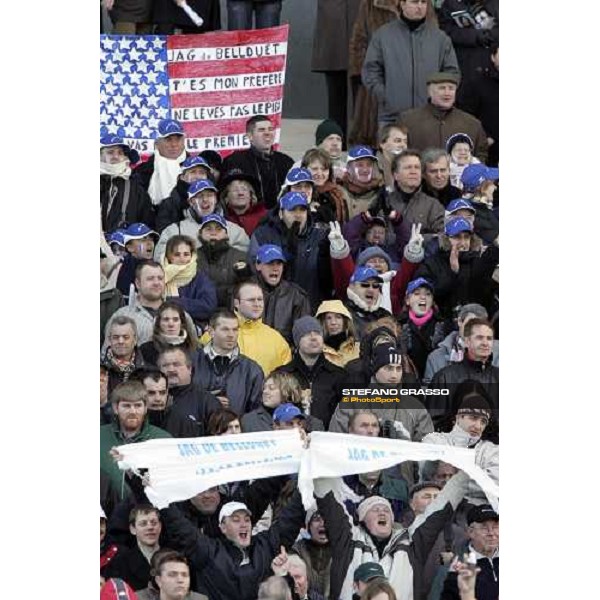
212 83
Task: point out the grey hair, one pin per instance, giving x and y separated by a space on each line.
432 155
124 320
296 561
472 309
274 588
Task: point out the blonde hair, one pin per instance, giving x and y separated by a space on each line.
288 385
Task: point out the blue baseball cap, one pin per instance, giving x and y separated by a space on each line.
108 141
358 152
200 186
363 273
474 175
284 413
298 176
290 200
458 225
168 127
137 231
116 237
194 161
213 218
459 204
268 253
415 284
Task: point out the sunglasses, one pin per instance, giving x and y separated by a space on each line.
375 285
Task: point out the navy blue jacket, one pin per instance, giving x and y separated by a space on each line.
198 298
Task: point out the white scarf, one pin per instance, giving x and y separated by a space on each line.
164 178
121 169
361 303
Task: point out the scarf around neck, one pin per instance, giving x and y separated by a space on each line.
121 169
177 276
420 321
172 340
165 175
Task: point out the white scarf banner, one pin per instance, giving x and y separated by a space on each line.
339 454
181 468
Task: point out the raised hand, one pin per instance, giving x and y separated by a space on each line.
279 563
336 239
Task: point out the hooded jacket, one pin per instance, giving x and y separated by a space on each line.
239 378
190 227
404 555
398 63
307 253
325 381
442 356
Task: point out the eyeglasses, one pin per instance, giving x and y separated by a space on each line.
375 286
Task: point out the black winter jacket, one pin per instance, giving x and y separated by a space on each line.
487 583
307 252
170 210
283 305
324 379
217 562
240 379
190 403
269 169
445 195
139 207
217 262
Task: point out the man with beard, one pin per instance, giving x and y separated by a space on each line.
305 246
122 199
133 564
321 379
223 370
285 301
315 551
400 551
159 174
363 181
217 258
130 425
436 176
122 355
267 165
201 202
172 209
190 403
258 341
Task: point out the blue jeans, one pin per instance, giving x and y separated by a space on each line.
239 14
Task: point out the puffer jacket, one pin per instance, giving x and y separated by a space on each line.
442 356
283 305
404 556
307 253
190 227
398 63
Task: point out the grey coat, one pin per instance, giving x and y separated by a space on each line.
399 62
330 52
421 208
440 357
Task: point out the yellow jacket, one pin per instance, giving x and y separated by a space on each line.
263 344
349 350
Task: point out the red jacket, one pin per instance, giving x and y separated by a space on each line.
249 220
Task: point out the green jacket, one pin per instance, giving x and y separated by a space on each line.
110 435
